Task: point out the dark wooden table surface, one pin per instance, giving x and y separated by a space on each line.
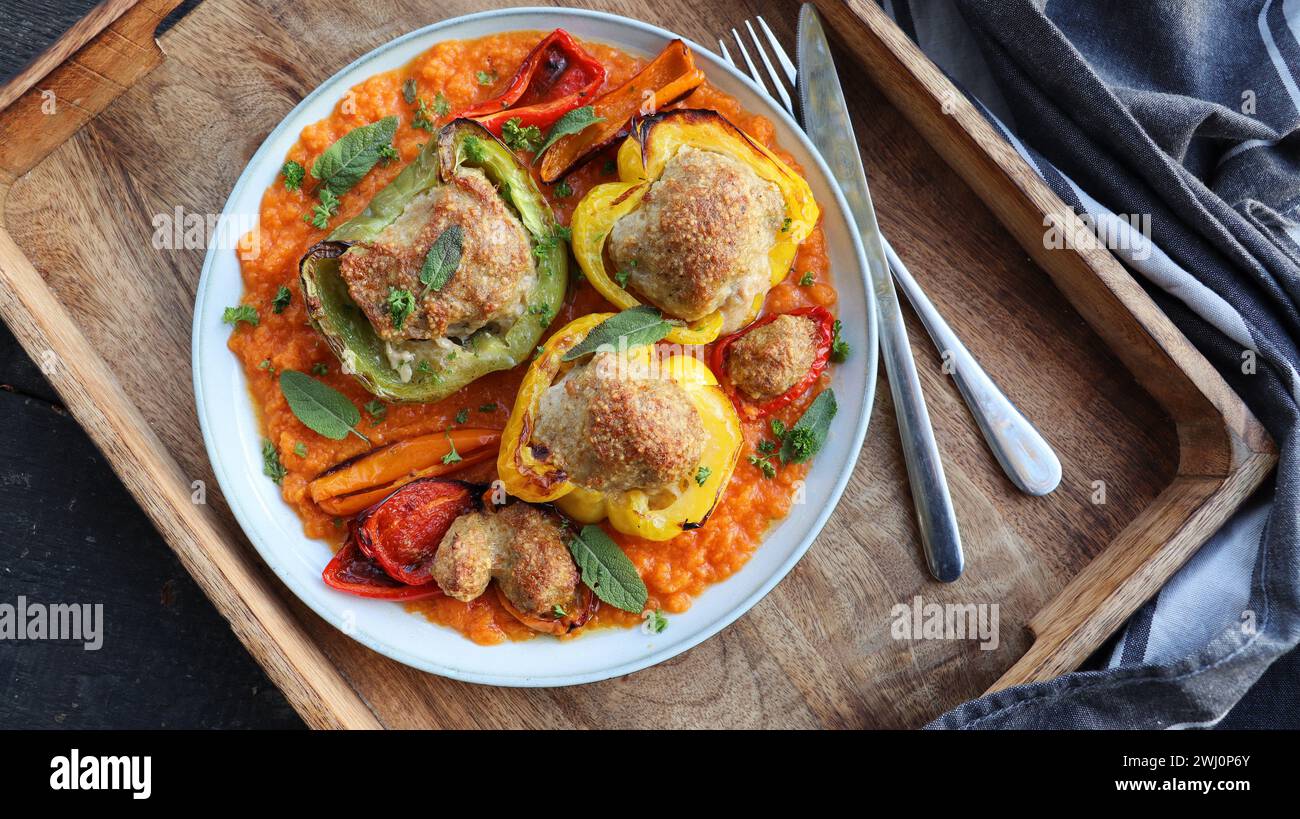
70 533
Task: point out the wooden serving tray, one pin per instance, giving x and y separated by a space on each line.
1117 389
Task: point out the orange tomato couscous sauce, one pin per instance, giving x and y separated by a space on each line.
676 571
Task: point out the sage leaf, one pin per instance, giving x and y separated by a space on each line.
571 123
322 408
639 325
607 571
808 435
442 260
410 91
353 155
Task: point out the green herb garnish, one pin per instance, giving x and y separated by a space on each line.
487 408
271 466
293 175
474 151
281 300
766 447
388 153
543 313
808 435
639 325
410 90
806 280
453 456
321 214
702 475
607 571
485 77
377 410
840 348
246 313
320 407
462 416
442 259
352 156
563 189
778 428
520 137
400 303
300 449
571 123
320 368
763 465
655 622
423 118
544 246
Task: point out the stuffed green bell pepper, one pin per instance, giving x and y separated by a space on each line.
451 272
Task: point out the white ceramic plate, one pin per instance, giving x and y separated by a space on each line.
233 440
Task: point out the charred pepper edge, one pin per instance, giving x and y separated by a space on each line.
821 361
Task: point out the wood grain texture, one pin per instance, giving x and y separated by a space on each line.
28 14
1124 399
74 535
1223 451
51 333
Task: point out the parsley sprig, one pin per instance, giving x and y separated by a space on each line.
520 137
246 313
401 303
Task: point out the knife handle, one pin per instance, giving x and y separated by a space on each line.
1026 457
935 517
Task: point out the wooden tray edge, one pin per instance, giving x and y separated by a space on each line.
1224 451
230 578
82 32
1224 454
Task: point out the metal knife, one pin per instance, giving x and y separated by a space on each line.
827 122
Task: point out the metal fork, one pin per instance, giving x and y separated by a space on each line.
1026 458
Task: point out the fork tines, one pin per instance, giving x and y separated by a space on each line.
775 81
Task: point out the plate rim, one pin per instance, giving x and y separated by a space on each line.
375 642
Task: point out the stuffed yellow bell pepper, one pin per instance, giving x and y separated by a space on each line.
650 447
702 223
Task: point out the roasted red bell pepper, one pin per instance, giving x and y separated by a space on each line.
402 532
825 337
556 77
353 572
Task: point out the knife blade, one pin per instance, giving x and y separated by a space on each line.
828 125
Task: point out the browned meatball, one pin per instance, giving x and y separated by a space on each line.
700 239
538 574
496 267
613 430
463 563
520 546
767 361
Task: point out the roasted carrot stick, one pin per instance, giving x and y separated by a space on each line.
407 458
671 76
346 505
